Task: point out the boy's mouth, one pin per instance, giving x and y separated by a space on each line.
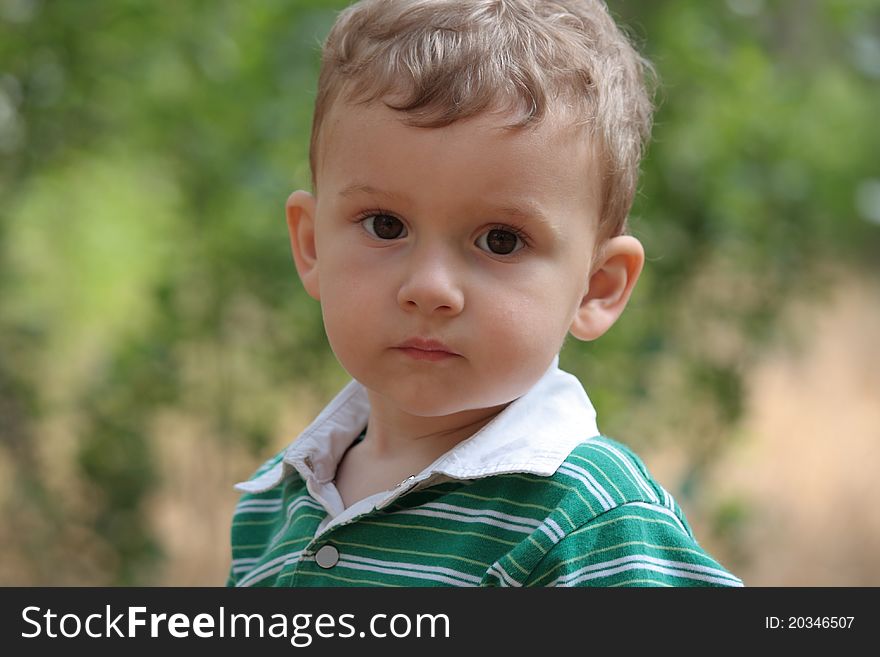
426 349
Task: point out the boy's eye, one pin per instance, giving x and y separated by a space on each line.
500 241
384 227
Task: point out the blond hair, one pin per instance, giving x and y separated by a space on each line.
453 59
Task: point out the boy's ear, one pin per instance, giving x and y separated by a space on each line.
612 280
301 208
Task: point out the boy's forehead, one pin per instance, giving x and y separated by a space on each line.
368 145
376 115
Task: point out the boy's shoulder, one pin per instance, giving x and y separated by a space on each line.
600 474
613 473
609 523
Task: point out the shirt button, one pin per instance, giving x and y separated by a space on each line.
327 556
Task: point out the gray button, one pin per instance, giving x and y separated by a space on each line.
327 556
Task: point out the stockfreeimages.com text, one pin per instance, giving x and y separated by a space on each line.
300 629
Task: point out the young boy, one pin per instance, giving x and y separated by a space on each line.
473 164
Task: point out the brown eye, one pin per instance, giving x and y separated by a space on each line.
500 242
384 226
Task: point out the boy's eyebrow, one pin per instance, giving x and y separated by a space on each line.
356 188
529 211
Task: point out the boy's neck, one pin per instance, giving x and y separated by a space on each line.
394 434
399 445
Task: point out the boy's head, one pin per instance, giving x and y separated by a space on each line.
473 164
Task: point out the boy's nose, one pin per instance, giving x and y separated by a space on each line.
431 287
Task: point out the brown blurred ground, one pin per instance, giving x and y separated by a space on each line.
803 465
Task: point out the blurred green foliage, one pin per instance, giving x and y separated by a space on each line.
146 150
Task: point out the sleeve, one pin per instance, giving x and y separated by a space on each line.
634 544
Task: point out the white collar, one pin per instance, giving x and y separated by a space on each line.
534 434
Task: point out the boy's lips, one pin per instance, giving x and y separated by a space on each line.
426 349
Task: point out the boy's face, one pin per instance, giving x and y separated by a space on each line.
449 262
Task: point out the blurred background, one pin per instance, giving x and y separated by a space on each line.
156 345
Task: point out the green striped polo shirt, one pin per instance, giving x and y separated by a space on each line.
535 498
